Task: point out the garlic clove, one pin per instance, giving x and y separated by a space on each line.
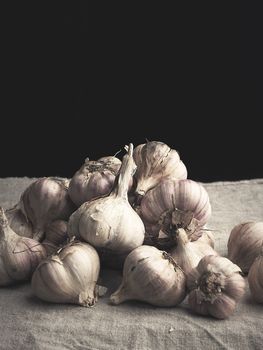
68 277
152 276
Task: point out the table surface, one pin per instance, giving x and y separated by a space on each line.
28 323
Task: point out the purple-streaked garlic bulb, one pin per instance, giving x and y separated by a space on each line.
255 278
215 287
188 254
18 222
56 234
244 244
94 179
152 276
19 256
171 205
110 223
155 162
70 276
44 201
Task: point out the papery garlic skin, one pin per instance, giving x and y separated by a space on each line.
255 278
68 277
244 244
188 254
156 161
44 201
110 222
19 256
94 179
206 237
56 234
152 276
19 223
215 287
171 205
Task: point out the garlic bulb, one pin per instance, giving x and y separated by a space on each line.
171 205
110 223
68 277
155 162
255 278
18 222
152 276
94 179
19 256
56 234
188 254
215 287
44 201
244 244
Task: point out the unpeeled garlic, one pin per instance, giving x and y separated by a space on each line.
171 205
56 234
155 162
110 223
255 278
44 201
68 277
215 287
152 276
244 244
19 256
94 179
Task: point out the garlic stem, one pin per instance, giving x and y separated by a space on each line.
126 172
119 296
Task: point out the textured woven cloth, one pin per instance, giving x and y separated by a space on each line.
28 323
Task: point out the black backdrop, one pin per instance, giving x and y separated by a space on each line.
84 81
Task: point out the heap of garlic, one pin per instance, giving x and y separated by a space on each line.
157 236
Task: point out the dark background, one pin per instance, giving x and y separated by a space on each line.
85 79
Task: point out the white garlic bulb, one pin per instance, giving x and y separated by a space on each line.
152 276
18 222
56 234
19 256
188 254
68 277
255 278
94 179
110 223
171 205
155 162
44 201
215 287
244 244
